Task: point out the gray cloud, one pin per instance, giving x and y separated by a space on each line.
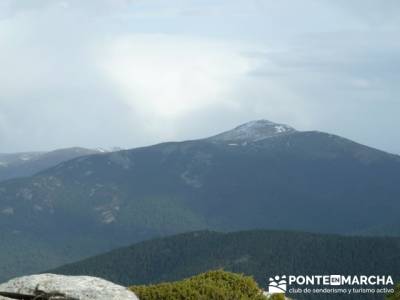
129 73
375 13
349 81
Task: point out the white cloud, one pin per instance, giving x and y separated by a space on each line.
130 73
163 78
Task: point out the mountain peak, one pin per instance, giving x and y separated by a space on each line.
254 131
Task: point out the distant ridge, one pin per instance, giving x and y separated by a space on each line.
260 175
14 165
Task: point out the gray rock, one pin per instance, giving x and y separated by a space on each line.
80 287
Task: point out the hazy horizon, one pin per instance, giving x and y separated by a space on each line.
117 148
132 73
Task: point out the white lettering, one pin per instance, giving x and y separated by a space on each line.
340 280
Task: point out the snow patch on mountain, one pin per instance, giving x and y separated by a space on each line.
253 131
25 157
108 212
7 211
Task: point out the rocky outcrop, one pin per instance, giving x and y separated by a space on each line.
78 287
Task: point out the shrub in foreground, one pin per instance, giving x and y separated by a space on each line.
213 285
395 295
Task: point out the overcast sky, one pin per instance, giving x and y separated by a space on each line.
103 73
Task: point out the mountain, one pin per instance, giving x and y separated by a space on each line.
252 132
14 165
259 253
258 175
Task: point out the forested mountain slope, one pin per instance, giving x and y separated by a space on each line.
258 175
259 253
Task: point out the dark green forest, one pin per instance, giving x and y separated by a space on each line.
259 253
306 181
